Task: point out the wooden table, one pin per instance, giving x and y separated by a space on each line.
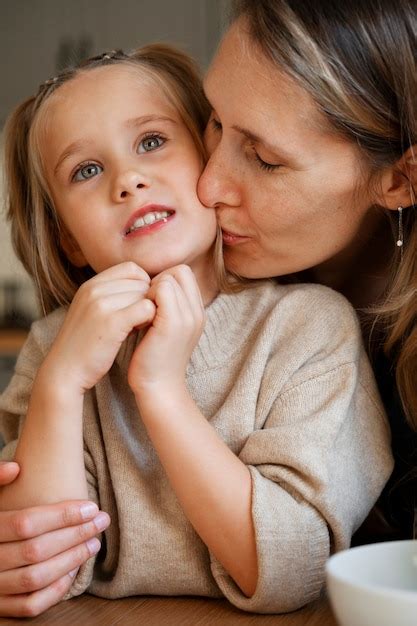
156 611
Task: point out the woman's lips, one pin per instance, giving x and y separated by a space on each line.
231 239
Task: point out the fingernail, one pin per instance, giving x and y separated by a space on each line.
88 510
101 521
73 573
93 545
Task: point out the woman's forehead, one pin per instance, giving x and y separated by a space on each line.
243 83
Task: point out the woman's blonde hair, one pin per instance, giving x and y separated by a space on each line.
358 60
36 229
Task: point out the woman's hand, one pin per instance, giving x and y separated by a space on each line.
41 548
103 312
162 356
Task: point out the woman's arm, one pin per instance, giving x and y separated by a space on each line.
45 543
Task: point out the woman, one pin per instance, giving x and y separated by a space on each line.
313 172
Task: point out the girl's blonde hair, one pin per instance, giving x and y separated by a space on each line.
358 60
36 229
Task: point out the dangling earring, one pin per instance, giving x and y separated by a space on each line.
400 240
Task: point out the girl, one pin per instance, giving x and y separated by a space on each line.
233 447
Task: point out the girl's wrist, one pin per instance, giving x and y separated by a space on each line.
160 396
58 382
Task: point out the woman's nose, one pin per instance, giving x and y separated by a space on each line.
127 184
218 184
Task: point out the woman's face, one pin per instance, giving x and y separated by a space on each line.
290 194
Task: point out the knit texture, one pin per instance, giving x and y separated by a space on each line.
281 374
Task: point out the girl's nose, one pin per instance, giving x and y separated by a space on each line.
127 184
218 185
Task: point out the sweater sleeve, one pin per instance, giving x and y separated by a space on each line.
318 464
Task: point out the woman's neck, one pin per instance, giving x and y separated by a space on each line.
361 271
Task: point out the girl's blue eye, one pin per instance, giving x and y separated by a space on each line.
151 142
89 170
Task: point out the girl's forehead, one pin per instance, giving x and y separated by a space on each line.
95 101
115 88
112 79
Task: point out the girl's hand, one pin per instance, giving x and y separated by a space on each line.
103 312
162 356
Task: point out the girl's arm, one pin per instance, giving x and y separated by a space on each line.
212 485
50 449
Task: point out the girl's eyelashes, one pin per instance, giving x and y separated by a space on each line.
85 171
150 142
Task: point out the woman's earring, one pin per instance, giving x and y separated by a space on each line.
400 240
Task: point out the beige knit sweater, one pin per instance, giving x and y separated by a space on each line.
281 374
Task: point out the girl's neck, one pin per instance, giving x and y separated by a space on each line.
206 280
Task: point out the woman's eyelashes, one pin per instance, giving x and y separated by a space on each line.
216 126
264 165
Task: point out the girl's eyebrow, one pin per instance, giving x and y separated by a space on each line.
138 121
72 149
135 122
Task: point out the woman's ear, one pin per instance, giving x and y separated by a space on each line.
71 248
399 182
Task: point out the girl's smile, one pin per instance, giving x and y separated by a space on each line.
148 219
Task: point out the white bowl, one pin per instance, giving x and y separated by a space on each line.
375 585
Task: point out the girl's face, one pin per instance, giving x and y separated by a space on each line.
289 193
122 169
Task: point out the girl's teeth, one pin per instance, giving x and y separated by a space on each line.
139 222
148 219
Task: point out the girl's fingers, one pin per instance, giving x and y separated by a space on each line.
128 269
188 283
34 577
185 278
16 554
138 313
33 604
120 286
169 299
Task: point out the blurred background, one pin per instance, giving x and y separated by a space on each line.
38 38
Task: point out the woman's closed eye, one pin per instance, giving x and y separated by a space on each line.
85 171
215 124
151 142
264 165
